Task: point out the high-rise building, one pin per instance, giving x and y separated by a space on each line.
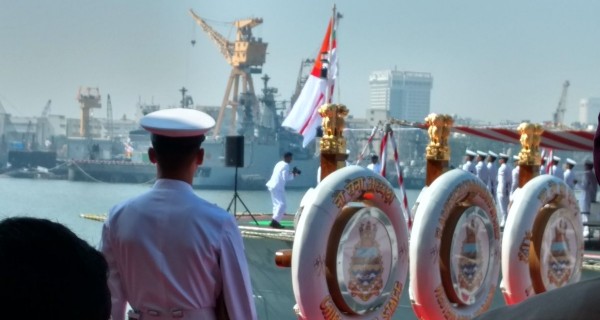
402 95
588 110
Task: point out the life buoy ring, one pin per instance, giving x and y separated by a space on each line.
454 249
350 252
542 245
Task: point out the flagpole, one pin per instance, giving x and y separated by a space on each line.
329 45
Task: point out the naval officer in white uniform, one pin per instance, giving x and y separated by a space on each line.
493 173
515 177
172 254
503 191
481 170
469 166
569 175
276 185
555 168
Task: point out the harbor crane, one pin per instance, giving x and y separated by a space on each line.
109 118
89 98
246 56
559 115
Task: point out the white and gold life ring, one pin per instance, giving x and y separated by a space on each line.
454 249
542 245
350 253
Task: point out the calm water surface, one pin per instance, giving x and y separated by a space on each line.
63 201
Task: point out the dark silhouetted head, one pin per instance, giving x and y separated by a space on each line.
47 272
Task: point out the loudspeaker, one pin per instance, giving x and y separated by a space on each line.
234 151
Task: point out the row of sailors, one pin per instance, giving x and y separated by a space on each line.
502 180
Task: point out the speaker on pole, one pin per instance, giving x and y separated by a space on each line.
234 151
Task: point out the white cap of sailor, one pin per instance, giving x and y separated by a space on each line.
481 153
503 156
177 122
516 157
571 161
470 153
556 159
492 154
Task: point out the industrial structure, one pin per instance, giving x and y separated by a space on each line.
89 98
246 56
558 118
589 109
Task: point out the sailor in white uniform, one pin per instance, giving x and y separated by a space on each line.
515 177
481 170
469 166
543 165
375 165
493 173
589 187
569 175
172 254
504 187
555 169
276 185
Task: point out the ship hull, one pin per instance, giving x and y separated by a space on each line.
259 160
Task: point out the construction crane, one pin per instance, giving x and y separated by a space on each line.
89 98
303 74
246 56
43 124
109 118
559 115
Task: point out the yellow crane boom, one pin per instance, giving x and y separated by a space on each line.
246 56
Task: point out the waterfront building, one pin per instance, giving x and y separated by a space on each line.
403 95
588 111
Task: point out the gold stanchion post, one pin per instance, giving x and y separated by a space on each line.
333 144
437 152
529 157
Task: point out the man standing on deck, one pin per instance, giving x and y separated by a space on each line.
276 185
543 166
504 187
569 175
172 254
374 166
481 170
555 168
469 166
515 177
589 188
493 173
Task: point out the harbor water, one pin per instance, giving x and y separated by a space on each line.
63 201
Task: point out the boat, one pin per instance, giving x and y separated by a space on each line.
261 150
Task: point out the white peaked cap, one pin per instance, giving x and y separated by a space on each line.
555 158
481 153
571 161
503 155
177 122
515 157
493 154
470 153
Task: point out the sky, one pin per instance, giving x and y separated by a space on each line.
490 60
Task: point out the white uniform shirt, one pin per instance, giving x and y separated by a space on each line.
375 167
481 171
569 178
170 249
557 171
281 174
515 180
469 167
505 180
589 185
493 173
